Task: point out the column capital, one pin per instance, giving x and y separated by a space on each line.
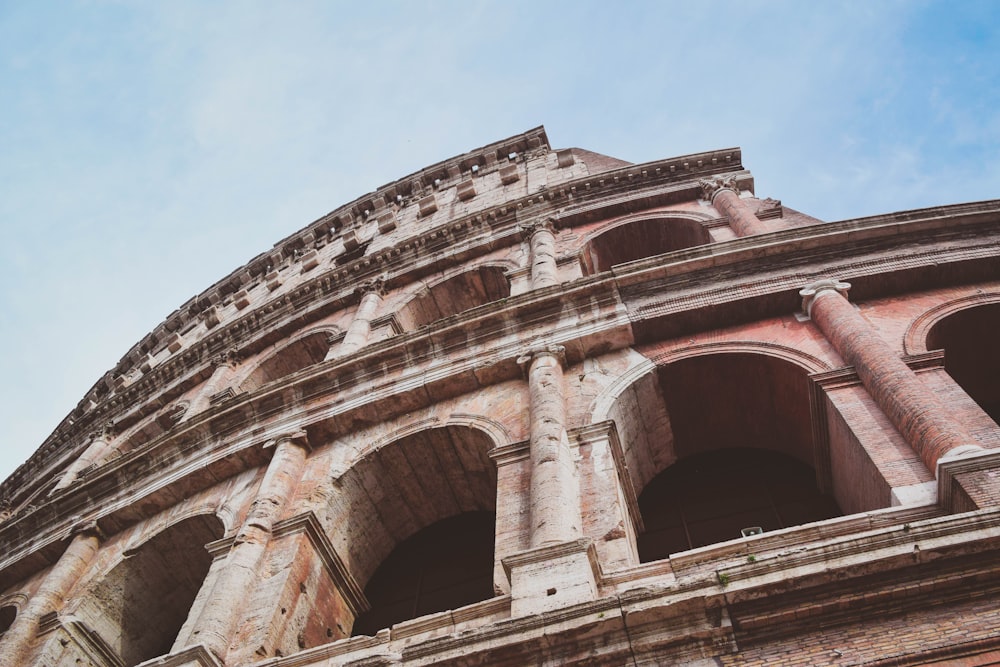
535 351
87 527
300 438
711 187
812 290
372 286
529 229
105 432
228 358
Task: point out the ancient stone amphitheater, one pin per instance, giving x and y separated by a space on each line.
533 406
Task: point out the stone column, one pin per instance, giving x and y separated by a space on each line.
542 241
238 577
555 502
16 642
96 452
724 194
361 326
224 365
910 404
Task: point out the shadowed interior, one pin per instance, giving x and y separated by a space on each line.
640 239
971 353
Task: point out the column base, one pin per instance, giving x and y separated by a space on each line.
553 576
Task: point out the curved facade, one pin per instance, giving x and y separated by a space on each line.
533 407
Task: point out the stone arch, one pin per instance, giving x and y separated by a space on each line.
413 483
637 237
297 353
639 386
967 332
695 402
142 600
10 606
455 293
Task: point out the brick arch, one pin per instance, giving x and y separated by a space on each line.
640 236
299 352
407 483
966 329
10 607
639 402
454 293
915 338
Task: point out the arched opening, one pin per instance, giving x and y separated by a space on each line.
7 616
427 489
139 607
714 496
295 356
971 355
457 294
640 239
699 422
445 566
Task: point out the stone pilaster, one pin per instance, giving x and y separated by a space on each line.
222 373
911 406
217 622
542 242
360 328
724 194
555 502
15 645
96 452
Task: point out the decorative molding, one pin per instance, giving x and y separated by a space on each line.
810 292
309 525
711 187
915 338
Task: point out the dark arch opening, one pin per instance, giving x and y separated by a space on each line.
7 616
712 496
447 565
140 606
304 352
719 401
457 294
640 239
971 355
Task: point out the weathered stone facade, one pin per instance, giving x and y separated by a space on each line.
539 407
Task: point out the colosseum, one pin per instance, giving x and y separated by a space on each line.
532 406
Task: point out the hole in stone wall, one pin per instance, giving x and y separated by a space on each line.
971 355
304 352
138 608
455 295
641 239
713 496
550 592
447 565
7 616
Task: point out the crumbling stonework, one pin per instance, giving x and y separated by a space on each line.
447 422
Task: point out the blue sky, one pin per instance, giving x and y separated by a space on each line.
147 149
